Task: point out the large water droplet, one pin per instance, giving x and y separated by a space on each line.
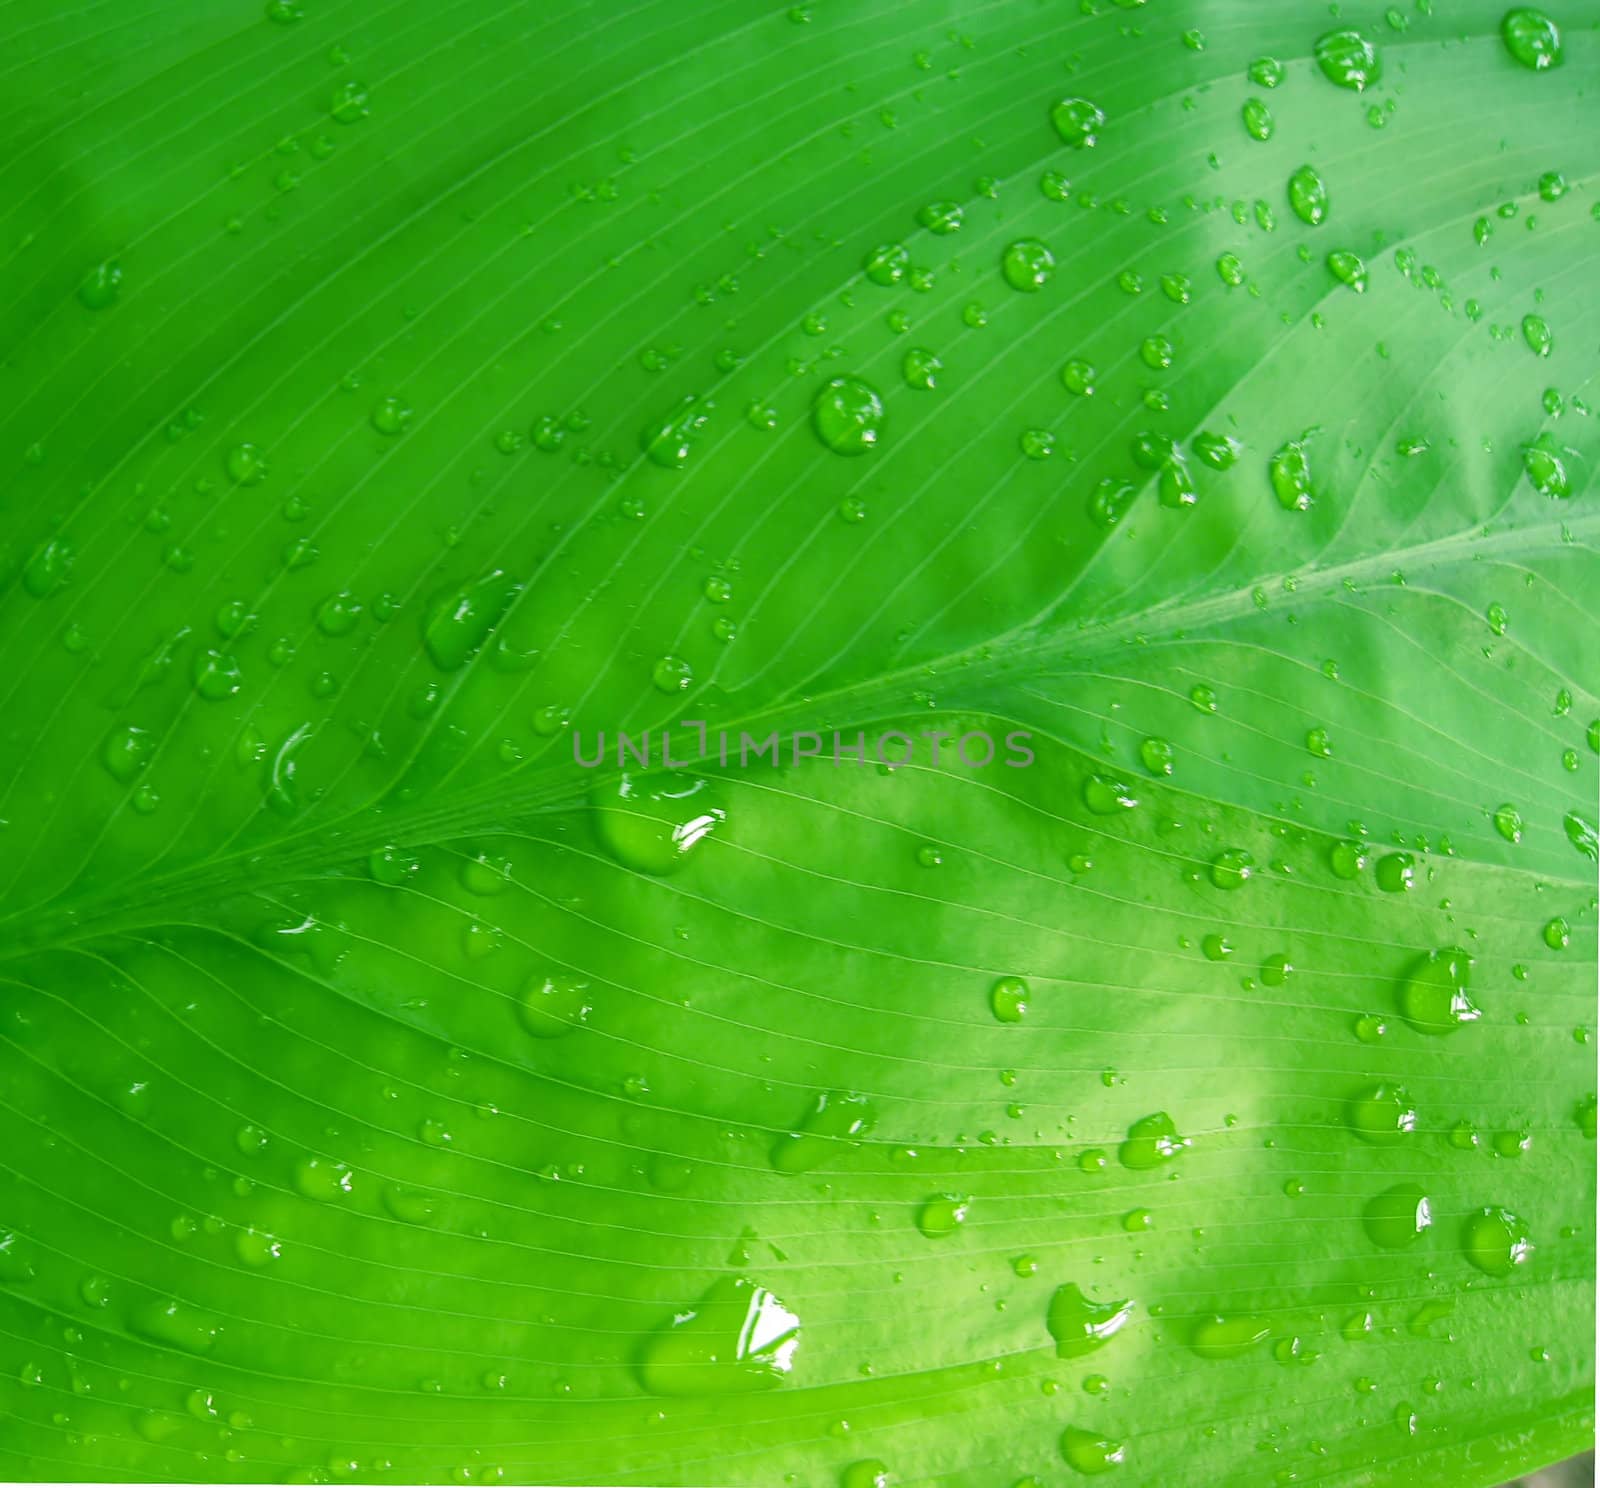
1495 1241
1227 1337
738 1337
1078 122
1089 1452
1433 994
1028 264
1381 1114
1151 1141
1532 38
1080 1326
1308 196
1348 59
848 416
830 1128
1397 1217
651 824
461 620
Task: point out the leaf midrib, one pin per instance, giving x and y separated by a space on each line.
984 669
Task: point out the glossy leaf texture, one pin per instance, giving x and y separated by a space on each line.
1203 389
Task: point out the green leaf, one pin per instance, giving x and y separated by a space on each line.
1192 402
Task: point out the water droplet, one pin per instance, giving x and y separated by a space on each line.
1536 332
1349 60
126 752
1232 868
1266 72
848 416
1079 377
1396 873
1156 756
921 368
392 416
246 465
1203 698
941 217
1089 1452
868 1473
1581 834
1557 934
1105 795
1009 999
553 1003
651 824
1546 468
1433 994
254 1248
943 1215
323 1179
670 442
1227 1337
834 1124
217 675
1381 1114
101 287
1291 476
1508 823
1078 122
1027 265
1151 1141
1532 38
1257 119
738 1337
175 1325
887 264
349 103
1397 1217
672 674
1308 196
1080 1326
1495 1241
1349 270
460 621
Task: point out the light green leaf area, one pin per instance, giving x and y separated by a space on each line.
389 391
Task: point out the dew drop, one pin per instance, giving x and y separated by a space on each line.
1308 196
1397 1217
1078 122
943 1215
1089 1452
1433 994
1080 1326
1532 38
1348 60
1381 1114
1028 265
1008 999
651 824
1495 1240
737 1338
1151 1141
553 1004
835 1122
848 416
